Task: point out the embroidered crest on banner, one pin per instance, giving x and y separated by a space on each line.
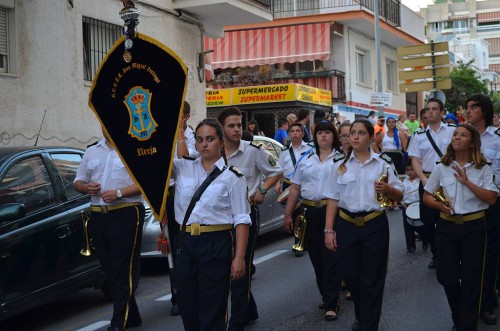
142 124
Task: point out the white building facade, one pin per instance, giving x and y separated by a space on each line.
51 49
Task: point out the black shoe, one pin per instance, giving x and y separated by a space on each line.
488 318
410 251
174 311
331 316
355 326
432 264
425 246
298 253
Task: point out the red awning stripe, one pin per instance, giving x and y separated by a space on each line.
295 43
488 17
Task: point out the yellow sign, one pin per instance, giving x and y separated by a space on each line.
268 94
424 61
425 86
422 49
218 98
263 94
314 95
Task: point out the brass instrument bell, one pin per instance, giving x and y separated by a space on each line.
383 199
299 231
87 251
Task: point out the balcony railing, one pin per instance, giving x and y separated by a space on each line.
389 10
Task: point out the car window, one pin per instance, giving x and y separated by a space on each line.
27 182
67 165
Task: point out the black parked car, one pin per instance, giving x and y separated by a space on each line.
43 242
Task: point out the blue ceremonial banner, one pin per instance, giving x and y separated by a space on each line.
139 99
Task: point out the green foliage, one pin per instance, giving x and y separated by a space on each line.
465 81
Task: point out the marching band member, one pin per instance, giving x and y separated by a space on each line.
253 162
410 195
289 157
479 114
306 182
361 235
467 183
344 132
425 149
204 249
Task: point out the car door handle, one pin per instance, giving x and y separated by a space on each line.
63 231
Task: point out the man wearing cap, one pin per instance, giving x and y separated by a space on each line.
116 220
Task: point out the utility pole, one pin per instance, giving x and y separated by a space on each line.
379 55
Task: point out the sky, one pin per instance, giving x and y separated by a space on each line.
415 5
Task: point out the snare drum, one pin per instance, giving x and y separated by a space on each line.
413 214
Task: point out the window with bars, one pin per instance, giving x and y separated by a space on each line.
98 37
4 41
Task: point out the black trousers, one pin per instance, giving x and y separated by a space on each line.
117 238
173 229
363 253
490 300
203 274
324 261
459 268
243 306
410 232
429 217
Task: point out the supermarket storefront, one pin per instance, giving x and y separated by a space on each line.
267 103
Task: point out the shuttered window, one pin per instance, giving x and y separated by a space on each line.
3 31
494 46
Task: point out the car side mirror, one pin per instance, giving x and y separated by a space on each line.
12 211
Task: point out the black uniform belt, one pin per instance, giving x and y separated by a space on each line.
359 219
460 219
316 203
286 180
195 229
108 208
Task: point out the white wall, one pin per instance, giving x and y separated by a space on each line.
49 72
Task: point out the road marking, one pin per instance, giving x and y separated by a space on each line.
95 326
257 261
269 256
165 298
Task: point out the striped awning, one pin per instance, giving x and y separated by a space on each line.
488 17
294 43
458 17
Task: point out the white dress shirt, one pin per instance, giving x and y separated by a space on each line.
285 160
102 165
190 141
355 189
410 194
253 161
421 147
310 173
490 146
223 202
462 199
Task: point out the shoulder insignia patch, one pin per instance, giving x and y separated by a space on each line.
236 171
438 161
284 148
311 144
254 144
188 158
338 157
490 163
419 131
498 132
451 124
385 157
271 160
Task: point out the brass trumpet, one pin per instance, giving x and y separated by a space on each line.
441 197
87 251
383 199
299 231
